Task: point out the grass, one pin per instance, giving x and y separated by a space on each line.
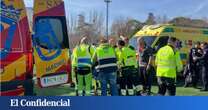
65 90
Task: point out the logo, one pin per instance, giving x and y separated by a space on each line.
54 66
52 3
9 16
45 38
14 102
40 102
10 12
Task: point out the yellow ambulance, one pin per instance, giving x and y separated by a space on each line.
156 36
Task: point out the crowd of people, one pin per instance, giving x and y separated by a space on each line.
197 67
116 66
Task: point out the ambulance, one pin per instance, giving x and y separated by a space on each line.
26 55
50 43
16 63
156 36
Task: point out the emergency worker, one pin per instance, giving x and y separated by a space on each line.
168 63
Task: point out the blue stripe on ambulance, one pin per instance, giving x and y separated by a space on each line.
9 39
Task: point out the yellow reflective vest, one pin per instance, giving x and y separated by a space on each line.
106 57
82 55
168 62
118 54
128 57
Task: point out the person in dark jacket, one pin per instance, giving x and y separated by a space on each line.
145 66
204 62
194 66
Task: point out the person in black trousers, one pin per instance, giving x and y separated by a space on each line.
194 66
204 61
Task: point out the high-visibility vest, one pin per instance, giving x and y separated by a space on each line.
168 62
118 54
128 57
106 56
82 56
118 51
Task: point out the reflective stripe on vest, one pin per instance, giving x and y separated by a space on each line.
106 57
84 61
107 62
107 65
169 61
166 66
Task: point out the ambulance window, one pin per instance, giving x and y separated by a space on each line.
147 39
162 41
50 33
133 42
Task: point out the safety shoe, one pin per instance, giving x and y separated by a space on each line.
204 89
185 86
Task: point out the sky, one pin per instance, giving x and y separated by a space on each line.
137 9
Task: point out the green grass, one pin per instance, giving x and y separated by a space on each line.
181 91
65 90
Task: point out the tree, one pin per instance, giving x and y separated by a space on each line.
93 28
183 21
133 26
164 19
158 19
205 19
97 19
118 26
125 27
151 19
161 19
72 24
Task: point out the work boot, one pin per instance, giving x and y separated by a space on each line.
185 85
144 93
195 86
138 93
80 93
204 89
137 89
123 92
87 93
72 85
130 92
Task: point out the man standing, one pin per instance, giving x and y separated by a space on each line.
145 67
168 62
194 65
135 75
82 65
129 68
204 60
107 66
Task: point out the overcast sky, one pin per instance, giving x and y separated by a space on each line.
138 9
